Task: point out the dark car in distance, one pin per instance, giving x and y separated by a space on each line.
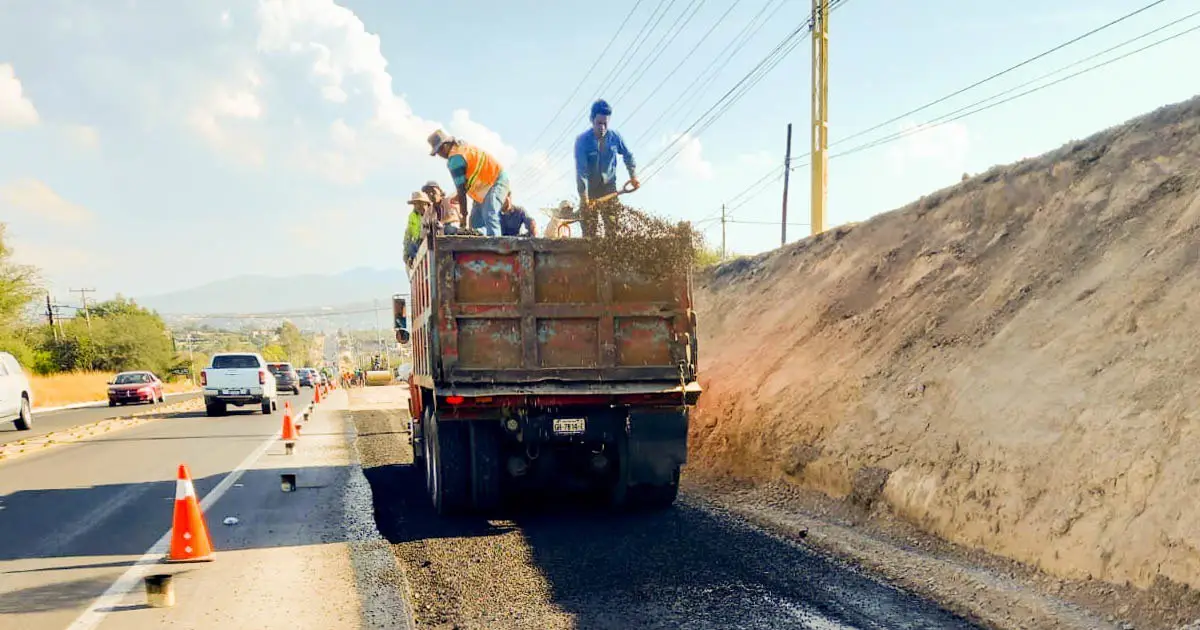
286 378
307 377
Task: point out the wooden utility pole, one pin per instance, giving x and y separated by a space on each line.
722 231
86 313
50 317
820 112
787 172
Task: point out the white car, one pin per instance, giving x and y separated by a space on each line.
238 379
16 395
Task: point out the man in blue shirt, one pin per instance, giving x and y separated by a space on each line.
596 168
513 217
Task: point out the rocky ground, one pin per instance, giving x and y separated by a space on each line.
1011 364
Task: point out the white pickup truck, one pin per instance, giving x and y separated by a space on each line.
239 379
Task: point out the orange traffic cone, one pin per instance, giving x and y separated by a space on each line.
317 394
190 541
289 430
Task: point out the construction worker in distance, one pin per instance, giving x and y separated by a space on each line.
416 221
447 217
513 217
476 174
596 168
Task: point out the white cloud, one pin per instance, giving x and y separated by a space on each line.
82 136
16 110
689 161
37 198
759 160
943 147
340 47
461 126
225 17
217 119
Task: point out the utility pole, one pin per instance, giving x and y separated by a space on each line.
787 172
50 316
820 112
722 231
86 312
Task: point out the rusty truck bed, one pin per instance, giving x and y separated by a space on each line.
520 311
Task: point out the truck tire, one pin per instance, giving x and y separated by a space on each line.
215 409
266 406
449 466
485 465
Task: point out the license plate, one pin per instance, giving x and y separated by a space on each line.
569 426
233 392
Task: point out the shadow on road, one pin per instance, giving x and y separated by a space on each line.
52 597
127 519
403 512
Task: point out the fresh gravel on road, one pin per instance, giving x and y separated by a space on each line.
569 564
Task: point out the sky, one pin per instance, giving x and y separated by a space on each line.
152 145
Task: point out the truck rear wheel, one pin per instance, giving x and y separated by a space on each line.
448 465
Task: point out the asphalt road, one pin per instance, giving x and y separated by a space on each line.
54 421
566 564
75 518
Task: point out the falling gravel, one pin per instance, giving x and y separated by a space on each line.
570 564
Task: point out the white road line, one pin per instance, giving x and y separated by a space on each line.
100 607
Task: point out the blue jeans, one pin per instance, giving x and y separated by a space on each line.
485 216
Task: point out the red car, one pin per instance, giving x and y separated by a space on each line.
135 387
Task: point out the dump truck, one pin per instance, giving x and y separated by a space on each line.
535 367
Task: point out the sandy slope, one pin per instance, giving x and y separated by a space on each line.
1010 363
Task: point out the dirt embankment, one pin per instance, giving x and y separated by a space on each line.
1012 363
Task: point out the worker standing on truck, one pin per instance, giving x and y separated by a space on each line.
447 214
596 169
476 174
413 232
513 217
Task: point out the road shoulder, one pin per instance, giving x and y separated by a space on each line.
303 559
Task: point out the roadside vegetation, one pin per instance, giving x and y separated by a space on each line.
72 360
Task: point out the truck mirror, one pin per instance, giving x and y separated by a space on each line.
400 319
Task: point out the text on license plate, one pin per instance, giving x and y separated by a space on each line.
569 426
233 392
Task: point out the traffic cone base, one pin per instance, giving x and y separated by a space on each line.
190 541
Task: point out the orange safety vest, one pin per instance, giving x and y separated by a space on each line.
482 170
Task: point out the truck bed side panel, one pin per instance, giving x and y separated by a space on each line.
503 310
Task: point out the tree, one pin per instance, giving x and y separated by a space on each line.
18 286
274 352
293 342
122 336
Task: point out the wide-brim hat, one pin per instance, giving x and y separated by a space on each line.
419 197
437 139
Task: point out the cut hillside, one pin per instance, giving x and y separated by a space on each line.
1012 363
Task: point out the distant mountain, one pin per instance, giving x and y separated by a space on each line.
306 296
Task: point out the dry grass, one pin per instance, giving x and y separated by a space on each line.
78 387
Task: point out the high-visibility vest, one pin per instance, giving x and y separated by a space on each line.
482 170
412 233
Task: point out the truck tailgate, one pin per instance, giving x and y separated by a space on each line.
231 378
529 310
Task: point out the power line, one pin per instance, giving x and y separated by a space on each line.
1002 72
567 101
979 106
546 185
638 40
756 75
986 103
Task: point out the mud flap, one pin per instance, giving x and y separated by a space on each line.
485 465
657 445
